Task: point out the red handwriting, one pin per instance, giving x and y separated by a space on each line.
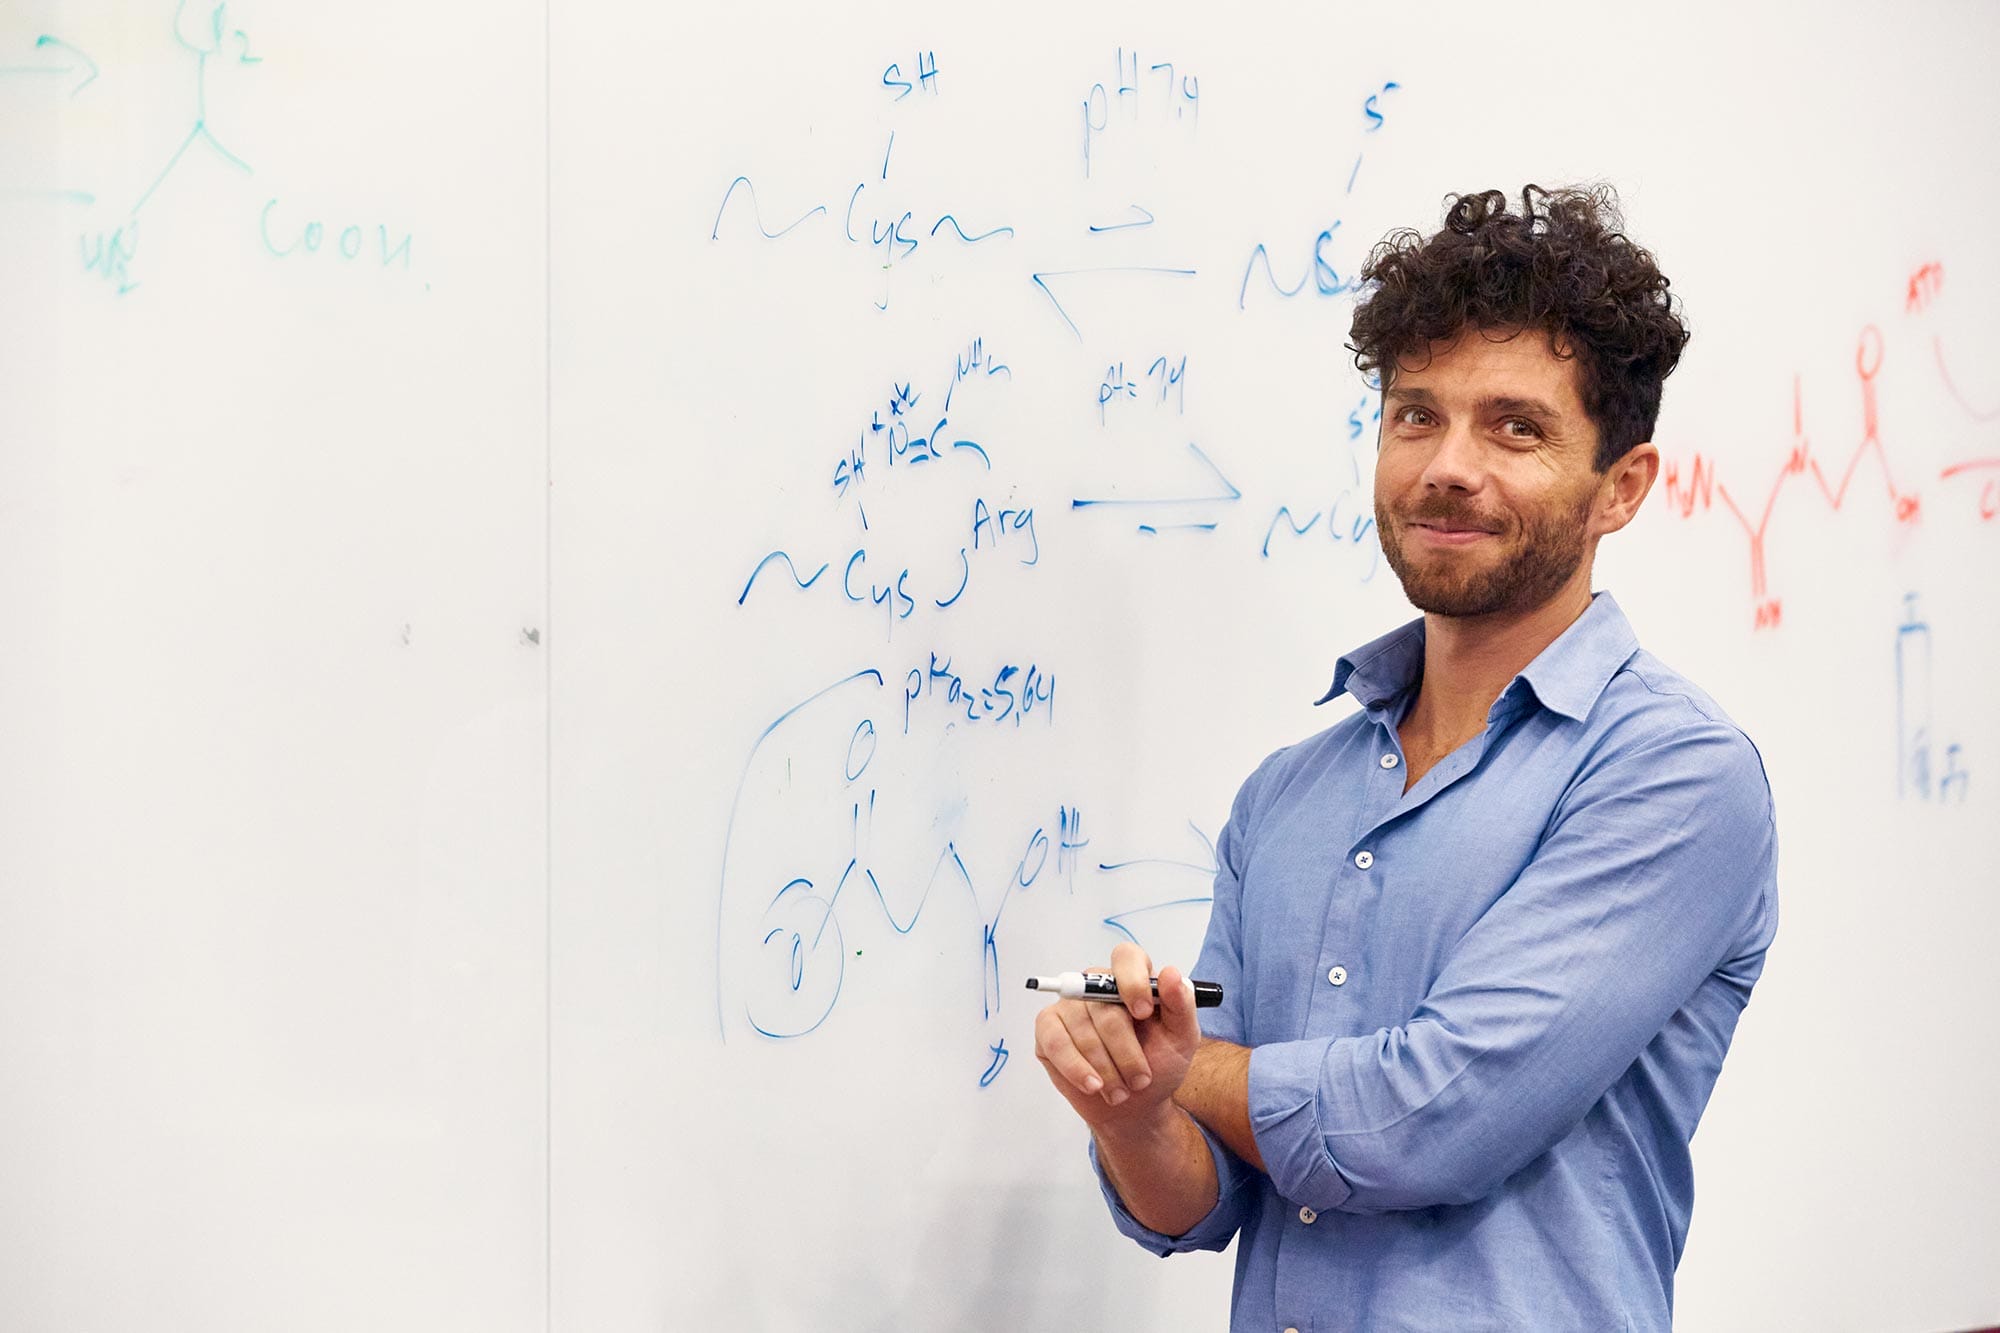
1989 493
1701 486
1695 485
1923 288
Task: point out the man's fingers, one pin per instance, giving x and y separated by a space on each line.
1081 1025
1134 971
1055 1049
1177 1011
1098 1050
1121 1041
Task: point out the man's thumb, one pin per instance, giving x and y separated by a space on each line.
1177 1009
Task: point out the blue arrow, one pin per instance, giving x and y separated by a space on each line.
1229 490
1075 272
1117 920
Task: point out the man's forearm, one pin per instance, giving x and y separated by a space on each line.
1216 1092
1162 1170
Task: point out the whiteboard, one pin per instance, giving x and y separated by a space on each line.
482 850
273 500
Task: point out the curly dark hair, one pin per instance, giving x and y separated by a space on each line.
1561 265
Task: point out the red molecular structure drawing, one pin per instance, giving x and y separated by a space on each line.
1697 487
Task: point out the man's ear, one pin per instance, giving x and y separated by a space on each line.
1625 487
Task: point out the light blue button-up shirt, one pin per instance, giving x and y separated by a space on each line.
1485 1013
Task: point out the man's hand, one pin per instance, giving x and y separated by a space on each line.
1119 1065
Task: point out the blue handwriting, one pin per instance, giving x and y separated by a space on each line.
1015 694
1128 91
926 63
1914 742
1320 272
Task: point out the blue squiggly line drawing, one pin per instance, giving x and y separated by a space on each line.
736 802
1356 527
780 555
989 949
757 211
1319 271
1284 515
1261 253
969 240
950 853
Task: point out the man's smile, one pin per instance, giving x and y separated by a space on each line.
1449 532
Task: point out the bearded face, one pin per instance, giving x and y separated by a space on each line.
1454 559
1485 485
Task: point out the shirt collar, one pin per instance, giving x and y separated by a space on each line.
1567 676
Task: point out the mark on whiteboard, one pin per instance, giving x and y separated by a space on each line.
213 43
1145 220
44 43
1041 280
1141 100
1916 746
998 1063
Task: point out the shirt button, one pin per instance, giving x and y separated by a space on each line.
1388 761
1364 859
1308 1216
1291 1330
1338 976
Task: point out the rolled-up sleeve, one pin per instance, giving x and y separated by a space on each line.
1221 960
1658 868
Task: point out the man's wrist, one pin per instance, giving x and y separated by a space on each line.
1161 1169
1216 1094
1139 1136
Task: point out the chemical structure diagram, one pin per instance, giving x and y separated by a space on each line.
1696 487
205 39
203 35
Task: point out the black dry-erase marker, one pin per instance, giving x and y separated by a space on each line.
1104 986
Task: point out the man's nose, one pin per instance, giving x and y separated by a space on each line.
1457 463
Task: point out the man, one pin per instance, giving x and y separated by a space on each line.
1484 943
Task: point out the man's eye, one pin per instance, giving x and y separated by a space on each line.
1521 428
1414 416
